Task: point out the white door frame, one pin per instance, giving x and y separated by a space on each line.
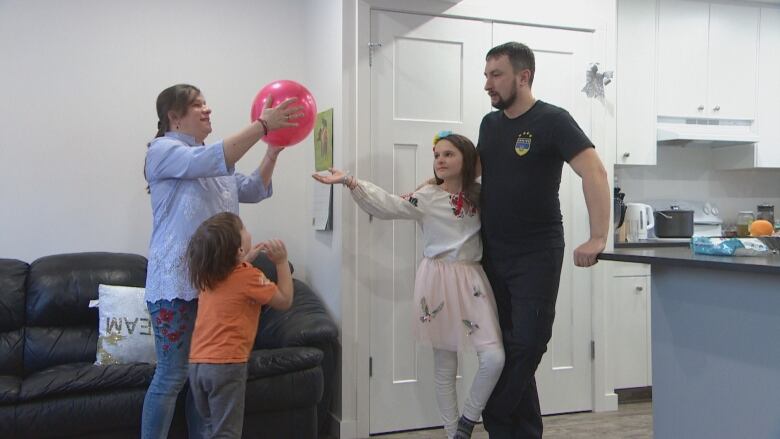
356 91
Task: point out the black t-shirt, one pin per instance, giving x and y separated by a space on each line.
522 160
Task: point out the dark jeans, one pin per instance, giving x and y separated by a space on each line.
526 288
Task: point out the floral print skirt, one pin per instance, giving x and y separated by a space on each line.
454 306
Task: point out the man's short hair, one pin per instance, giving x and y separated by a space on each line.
520 56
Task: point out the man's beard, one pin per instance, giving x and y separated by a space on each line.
503 104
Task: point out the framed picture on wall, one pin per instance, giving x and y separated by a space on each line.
323 141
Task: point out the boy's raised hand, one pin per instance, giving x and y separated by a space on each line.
275 250
251 255
277 253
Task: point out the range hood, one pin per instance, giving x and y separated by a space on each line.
700 130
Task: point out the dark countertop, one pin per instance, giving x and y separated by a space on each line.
684 257
651 242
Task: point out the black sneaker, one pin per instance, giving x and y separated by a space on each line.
465 428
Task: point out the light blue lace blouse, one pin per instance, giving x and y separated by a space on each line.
189 183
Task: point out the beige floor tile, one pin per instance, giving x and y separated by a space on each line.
630 421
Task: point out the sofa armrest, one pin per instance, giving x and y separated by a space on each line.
306 323
271 362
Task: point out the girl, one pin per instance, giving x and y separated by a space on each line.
232 291
190 181
454 304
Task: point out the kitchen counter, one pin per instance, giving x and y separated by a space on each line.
684 257
715 356
654 242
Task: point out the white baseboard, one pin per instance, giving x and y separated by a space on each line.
607 403
343 429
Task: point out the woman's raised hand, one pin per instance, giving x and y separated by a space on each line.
281 115
336 176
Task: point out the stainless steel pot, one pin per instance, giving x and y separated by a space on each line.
673 223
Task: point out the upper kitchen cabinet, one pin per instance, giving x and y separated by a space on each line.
768 149
707 60
766 152
635 117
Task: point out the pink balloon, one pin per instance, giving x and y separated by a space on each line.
281 90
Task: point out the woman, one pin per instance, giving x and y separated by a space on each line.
189 182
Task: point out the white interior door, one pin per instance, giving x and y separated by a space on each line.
564 375
425 77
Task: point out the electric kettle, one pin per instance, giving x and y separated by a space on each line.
639 219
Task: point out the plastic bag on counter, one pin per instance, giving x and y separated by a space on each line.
730 246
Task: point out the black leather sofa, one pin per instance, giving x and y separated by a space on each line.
50 388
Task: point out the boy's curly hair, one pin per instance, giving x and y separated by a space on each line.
211 253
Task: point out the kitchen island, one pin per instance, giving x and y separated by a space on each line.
715 335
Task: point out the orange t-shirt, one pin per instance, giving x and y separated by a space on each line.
228 316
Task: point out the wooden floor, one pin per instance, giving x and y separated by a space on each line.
630 421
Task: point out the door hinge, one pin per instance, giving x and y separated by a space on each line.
592 350
371 47
370 367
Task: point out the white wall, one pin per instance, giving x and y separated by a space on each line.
323 23
686 173
78 85
324 78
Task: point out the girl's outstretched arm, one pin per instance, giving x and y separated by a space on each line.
374 200
336 176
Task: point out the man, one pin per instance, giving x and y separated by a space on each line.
522 148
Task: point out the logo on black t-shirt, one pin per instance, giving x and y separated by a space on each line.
523 143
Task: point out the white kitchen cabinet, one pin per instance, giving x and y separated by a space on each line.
630 335
766 153
635 82
682 57
768 149
707 59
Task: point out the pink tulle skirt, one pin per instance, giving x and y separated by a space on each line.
454 306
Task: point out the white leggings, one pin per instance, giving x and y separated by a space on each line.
445 364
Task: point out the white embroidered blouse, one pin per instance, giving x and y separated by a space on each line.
449 223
